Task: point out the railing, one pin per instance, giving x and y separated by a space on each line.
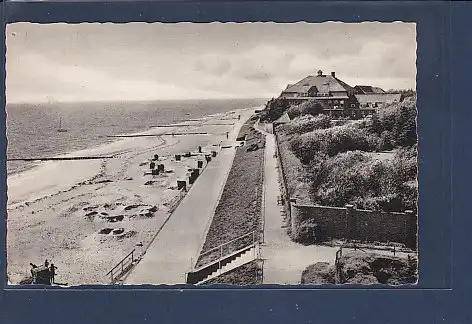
176 200
122 268
226 248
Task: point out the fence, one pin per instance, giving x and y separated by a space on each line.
122 267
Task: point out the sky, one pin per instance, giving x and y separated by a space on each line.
142 61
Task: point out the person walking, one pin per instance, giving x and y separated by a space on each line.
52 272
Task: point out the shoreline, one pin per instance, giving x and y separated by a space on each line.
114 148
48 218
122 136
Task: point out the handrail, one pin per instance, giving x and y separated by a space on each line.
227 243
122 263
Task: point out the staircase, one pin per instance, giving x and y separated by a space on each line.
242 259
225 262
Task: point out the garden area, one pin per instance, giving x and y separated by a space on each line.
369 163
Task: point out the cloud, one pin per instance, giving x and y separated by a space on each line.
140 61
213 64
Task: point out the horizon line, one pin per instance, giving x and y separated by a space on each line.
128 100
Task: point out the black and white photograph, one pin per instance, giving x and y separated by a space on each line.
211 153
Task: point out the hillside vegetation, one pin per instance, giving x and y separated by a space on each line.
370 163
363 268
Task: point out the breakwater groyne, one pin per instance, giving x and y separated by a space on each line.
62 158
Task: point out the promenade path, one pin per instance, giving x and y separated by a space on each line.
285 260
169 256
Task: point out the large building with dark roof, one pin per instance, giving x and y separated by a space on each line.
328 89
336 96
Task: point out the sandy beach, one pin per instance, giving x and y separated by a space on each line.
86 215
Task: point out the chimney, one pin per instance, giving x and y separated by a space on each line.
333 74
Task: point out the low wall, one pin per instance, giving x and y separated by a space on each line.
355 224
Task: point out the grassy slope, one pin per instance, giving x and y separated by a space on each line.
239 209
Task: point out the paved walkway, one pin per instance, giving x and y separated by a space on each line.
169 257
284 260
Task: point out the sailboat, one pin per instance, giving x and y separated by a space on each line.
60 129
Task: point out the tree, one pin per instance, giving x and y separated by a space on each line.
275 108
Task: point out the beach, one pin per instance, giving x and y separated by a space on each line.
86 215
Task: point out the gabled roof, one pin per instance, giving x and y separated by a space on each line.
323 83
363 89
383 98
298 88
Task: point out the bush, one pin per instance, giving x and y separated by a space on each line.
308 232
346 139
306 123
396 124
275 108
331 142
311 107
386 141
318 273
356 178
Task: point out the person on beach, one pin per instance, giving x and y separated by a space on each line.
46 263
52 272
239 117
33 266
227 134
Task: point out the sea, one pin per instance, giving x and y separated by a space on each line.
32 128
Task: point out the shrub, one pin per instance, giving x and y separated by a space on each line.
386 141
345 139
311 107
356 178
399 121
331 142
342 178
275 108
308 232
306 123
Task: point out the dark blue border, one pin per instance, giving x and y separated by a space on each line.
442 103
